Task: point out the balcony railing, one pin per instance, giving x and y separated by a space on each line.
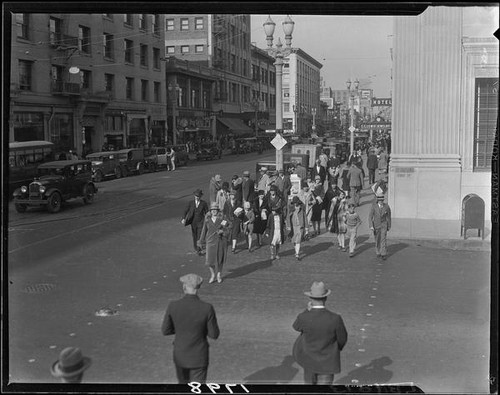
65 88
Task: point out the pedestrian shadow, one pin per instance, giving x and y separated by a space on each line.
280 374
314 249
394 248
372 373
247 269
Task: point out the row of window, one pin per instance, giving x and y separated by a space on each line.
185 49
184 24
263 75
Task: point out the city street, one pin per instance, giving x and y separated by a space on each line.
421 316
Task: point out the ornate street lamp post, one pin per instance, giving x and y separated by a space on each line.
351 107
313 112
278 53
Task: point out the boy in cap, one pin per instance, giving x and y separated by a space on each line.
191 320
70 365
380 223
322 336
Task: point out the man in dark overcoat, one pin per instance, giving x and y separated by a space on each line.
379 220
319 170
248 188
322 337
372 165
194 215
191 320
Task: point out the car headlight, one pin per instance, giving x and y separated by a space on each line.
24 189
42 189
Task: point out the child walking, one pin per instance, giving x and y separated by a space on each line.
352 221
342 227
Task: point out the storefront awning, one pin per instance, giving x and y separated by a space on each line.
235 125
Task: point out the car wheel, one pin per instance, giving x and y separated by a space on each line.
98 176
54 203
125 172
88 194
118 172
20 208
141 169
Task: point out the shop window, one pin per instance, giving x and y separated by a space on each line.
25 75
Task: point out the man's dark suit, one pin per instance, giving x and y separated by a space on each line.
323 336
191 320
198 216
248 189
321 172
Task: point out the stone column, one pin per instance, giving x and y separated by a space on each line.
425 168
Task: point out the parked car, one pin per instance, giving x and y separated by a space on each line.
105 164
132 161
55 183
160 157
181 155
209 151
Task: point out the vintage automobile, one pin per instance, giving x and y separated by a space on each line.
104 165
209 151
160 156
55 183
136 160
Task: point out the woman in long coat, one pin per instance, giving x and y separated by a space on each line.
276 230
317 208
260 222
234 220
214 236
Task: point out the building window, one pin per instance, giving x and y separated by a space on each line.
233 63
184 24
156 92
156 58
56 73
170 49
184 48
485 121
85 82
61 132
129 51
108 45
142 21
198 23
22 21
144 90
144 55
55 31
198 48
156 24
84 39
25 73
128 19
205 99
169 23
129 88
109 83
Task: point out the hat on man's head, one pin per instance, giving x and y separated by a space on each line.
274 188
318 290
261 192
296 200
71 363
191 280
317 178
246 173
235 177
214 206
198 193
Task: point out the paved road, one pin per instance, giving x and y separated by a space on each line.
422 316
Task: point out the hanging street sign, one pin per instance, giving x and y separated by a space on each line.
270 130
278 142
381 102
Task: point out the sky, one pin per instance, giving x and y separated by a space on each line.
349 47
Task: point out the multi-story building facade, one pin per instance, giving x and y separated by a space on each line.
443 122
222 42
301 91
86 80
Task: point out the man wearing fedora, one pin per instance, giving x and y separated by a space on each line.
379 220
322 337
191 320
70 365
194 215
248 188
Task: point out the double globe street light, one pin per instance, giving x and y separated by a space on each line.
278 53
